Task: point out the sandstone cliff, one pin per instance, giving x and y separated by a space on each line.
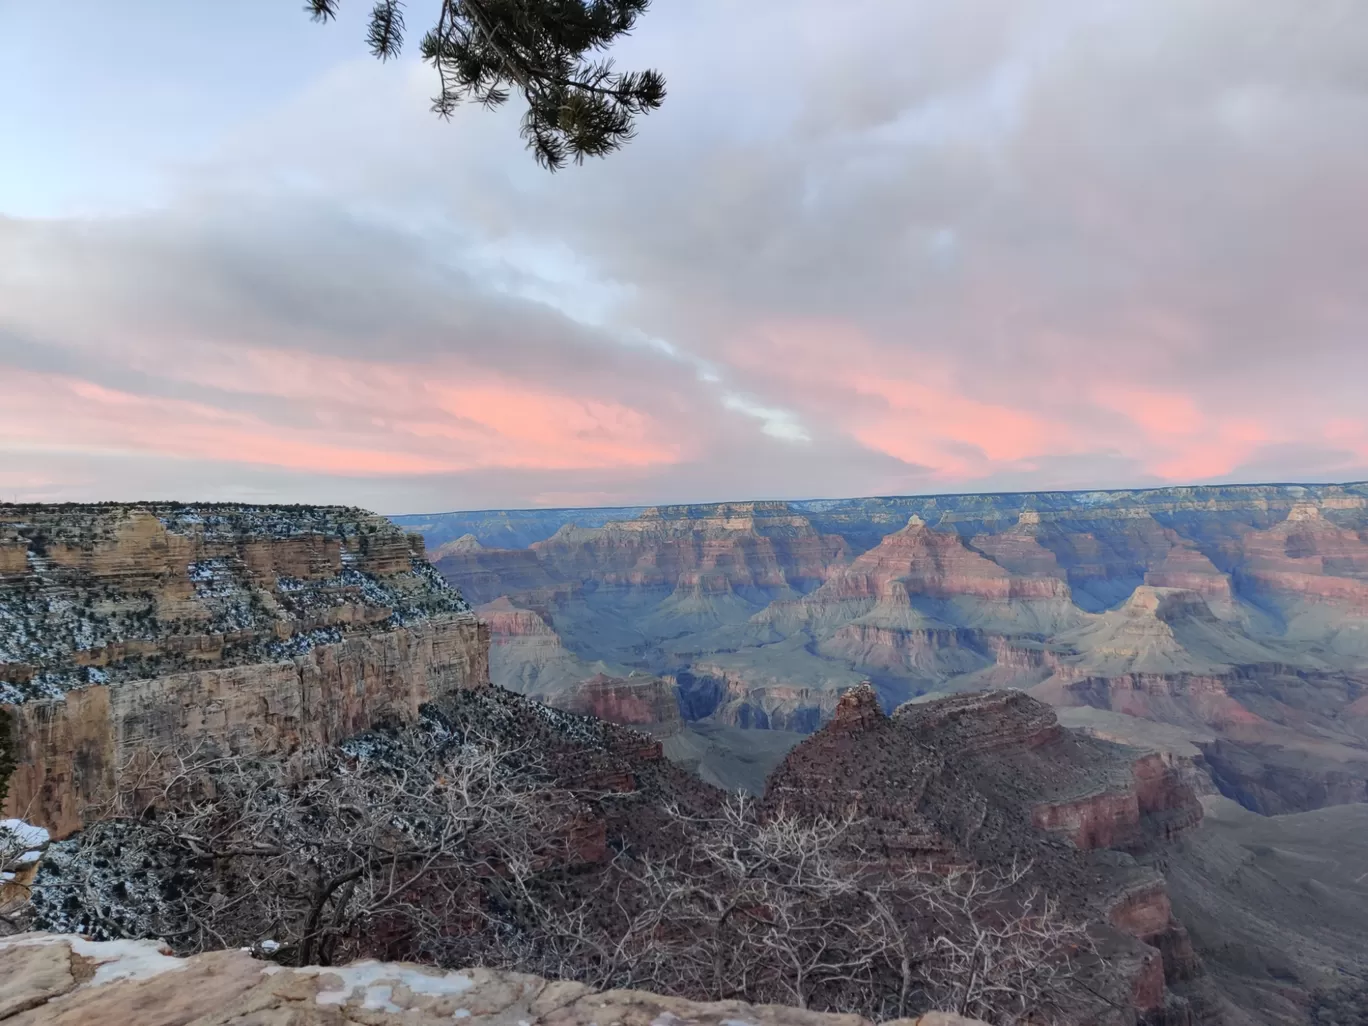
635 701
126 630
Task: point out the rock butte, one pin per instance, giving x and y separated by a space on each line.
132 629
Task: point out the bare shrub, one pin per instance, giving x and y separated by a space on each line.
400 852
464 850
777 908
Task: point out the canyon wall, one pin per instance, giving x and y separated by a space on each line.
973 780
1234 611
127 631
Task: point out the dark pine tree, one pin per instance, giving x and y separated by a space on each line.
548 50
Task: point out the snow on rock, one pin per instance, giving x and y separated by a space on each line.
254 575
233 989
16 834
377 980
114 960
21 844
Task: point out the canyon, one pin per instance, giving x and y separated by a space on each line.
1154 702
1236 615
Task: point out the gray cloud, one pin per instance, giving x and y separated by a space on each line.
985 244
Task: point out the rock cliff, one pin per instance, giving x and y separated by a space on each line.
128 629
990 778
637 701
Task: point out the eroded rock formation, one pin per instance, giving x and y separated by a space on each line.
128 630
638 701
1238 610
989 778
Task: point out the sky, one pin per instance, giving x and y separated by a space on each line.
866 248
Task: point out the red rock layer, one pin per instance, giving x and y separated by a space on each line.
631 701
934 650
1307 556
486 574
976 778
936 564
750 545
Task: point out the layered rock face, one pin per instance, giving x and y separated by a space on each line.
639 701
527 656
130 630
1236 611
752 545
484 574
991 777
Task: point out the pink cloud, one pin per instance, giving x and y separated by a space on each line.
1158 413
903 403
63 413
336 416
470 415
900 400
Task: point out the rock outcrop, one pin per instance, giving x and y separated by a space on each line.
988 779
130 630
526 654
752 545
54 980
484 574
636 701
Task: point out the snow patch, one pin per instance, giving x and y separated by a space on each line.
25 835
127 959
115 960
21 844
376 982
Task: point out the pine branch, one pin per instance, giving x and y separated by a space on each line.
483 49
321 10
386 33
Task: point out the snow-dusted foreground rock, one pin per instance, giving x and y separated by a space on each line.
59 980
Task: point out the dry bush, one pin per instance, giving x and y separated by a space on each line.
455 851
777 908
401 851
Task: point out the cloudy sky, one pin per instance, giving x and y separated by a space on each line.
865 248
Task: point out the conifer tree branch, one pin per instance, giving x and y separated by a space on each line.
576 107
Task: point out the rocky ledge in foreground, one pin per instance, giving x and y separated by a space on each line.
52 980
